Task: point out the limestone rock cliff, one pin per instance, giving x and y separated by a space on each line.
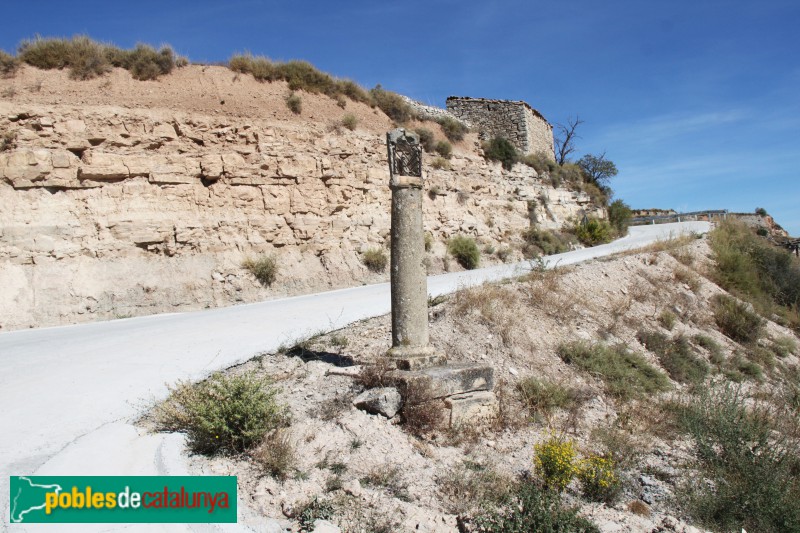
121 210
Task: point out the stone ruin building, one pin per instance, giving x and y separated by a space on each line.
526 128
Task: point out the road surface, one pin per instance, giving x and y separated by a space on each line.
69 394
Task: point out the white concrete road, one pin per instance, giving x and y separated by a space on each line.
68 394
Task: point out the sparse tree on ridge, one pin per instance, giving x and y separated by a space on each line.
565 140
598 169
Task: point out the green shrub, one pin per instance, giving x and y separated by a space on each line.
593 232
625 374
544 242
619 215
294 103
539 161
754 270
542 397
264 268
465 251
784 346
760 211
8 64
392 104
375 260
46 53
528 507
501 149
313 510
762 232
146 63
444 149
568 173
739 368
300 75
303 76
350 122
714 348
453 129
223 414
599 479
751 464
261 68
736 320
88 59
676 356
667 319
426 139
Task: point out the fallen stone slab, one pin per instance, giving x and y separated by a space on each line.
471 408
384 401
448 380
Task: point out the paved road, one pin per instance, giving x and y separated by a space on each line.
67 394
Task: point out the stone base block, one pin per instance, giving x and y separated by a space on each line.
414 358
471 408
448 380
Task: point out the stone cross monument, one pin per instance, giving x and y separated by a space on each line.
410 348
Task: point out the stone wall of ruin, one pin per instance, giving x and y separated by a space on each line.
518 122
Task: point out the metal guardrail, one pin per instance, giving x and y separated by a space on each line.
679 217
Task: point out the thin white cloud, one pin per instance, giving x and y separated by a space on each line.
665 127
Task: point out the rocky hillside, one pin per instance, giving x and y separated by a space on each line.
121 197
635 386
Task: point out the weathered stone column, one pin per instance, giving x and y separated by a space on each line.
409 284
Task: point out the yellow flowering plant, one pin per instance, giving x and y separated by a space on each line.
599 479
555 461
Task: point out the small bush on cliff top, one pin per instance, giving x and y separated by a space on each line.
88 59
300 75
223 414
392 104
8 64
144 62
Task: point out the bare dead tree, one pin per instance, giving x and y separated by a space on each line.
565 140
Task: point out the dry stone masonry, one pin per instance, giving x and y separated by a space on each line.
517 121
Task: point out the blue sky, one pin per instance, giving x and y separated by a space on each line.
697 102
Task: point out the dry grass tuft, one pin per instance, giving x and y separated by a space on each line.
277 454
497 306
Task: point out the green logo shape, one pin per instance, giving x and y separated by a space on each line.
122 499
